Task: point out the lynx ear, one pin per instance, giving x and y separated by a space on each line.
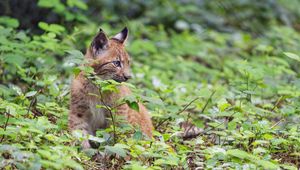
122 36
99 43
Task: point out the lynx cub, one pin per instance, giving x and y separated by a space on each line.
110 60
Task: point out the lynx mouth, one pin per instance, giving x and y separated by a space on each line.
120 79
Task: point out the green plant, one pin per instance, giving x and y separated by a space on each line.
241 89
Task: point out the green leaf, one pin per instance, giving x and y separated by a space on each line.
288 167
77 3
75 56
266 164
55 28
292 56
76 71
51 137
51 164
239 154
133 105
9 22
14 59
43 25
116 150
30 94
96 139
47 3
247 156
138 135
45 153
74 165
169 160
11 110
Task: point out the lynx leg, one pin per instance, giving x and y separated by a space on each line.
79 121
140 118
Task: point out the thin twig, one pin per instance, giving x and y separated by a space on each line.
248 98
162 122
32 102
5 125
276 104
168 118
186 106
277 123
218 124
211 95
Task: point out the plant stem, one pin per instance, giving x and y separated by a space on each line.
209 99
5 125
168 118
111 116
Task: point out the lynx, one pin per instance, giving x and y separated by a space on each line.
109 59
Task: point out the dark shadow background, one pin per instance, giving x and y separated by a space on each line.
254 16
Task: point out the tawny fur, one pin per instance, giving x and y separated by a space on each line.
83 112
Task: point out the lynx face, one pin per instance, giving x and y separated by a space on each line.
109 57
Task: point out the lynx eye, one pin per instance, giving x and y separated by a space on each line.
117 63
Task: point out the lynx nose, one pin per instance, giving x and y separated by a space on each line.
126 77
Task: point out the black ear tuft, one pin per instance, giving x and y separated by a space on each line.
122 36
99 43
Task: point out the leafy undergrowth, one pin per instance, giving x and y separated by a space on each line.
242 90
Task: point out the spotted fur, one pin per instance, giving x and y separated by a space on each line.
110 60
